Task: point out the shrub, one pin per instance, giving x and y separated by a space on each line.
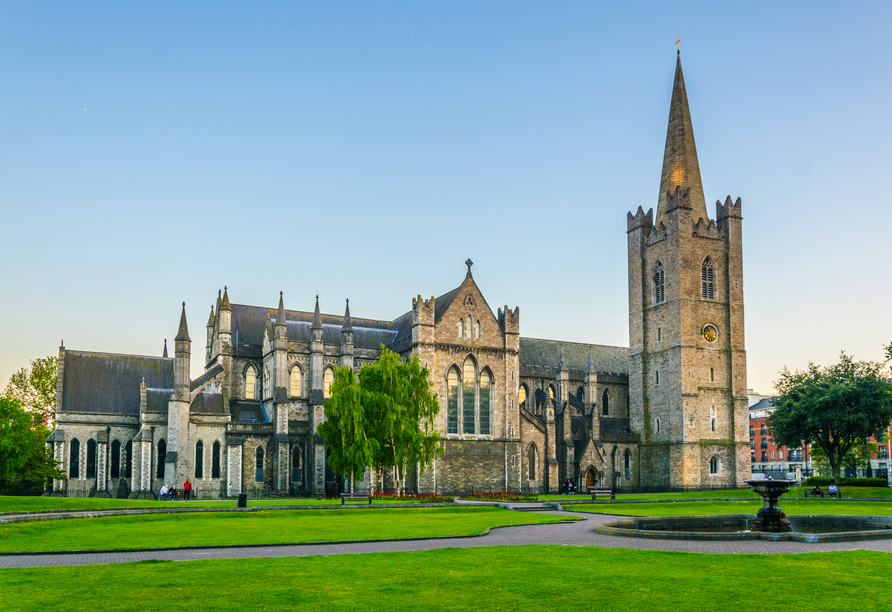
823 481
500 496
424 498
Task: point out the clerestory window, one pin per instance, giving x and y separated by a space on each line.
250 382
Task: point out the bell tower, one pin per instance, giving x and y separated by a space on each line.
687 362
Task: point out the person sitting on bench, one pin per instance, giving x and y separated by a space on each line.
834 490
163 493
817 491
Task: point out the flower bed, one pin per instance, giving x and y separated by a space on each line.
501 496
424 498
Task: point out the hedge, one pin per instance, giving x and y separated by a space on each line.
822 481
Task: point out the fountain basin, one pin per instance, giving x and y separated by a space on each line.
811 528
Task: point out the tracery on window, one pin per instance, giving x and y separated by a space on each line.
250 382
707 279
659 284
296 378
327 380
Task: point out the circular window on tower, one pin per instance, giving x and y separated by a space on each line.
710 332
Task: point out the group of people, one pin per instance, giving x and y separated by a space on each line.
569 487
832 489
168 493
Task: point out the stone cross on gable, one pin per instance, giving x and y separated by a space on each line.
469 263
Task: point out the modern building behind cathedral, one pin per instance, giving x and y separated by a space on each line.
516 413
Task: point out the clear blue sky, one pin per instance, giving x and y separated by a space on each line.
364 150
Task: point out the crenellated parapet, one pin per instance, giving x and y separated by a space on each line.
509 320
640 219
728 210
708 229
422 311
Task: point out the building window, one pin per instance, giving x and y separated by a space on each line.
116 459
551 392
712 424
780 455
477 330
74 462
461 328
753 457
128 462
522 396
605 403
215 460
297 464
715 465
711 374
764 443
452 401
250 382
91 458
658 424
752 431
658 377
752 445
162 455
296 376
659 334
707 275
468 389
764 430
764 457
327 379
659 284
690 421
883 452
532 461
627 464
199 459
580 393
258 465
485 398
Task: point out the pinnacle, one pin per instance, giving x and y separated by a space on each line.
211 319
280 315
164 354
347 326
317 318
681 167
225 305
183 333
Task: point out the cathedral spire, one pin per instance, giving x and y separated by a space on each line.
347 326
280 314
211 319
680 165
183 333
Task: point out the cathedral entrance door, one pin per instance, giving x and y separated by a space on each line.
590 478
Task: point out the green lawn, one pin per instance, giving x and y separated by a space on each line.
31 503
497 578
263 527
684 508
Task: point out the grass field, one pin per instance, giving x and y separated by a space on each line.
499 578
263 527
683 508
798 492
30 503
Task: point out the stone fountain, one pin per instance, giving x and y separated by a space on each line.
770 518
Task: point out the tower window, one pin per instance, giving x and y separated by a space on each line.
296 376
659 284
712 374
707 277
250 382
659 334
715 465
522 396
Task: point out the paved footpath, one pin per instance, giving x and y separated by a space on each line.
577 533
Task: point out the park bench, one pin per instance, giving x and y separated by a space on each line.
595 491
838 494
355 496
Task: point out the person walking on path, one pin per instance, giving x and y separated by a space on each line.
187 489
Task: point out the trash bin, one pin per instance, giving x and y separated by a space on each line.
242 500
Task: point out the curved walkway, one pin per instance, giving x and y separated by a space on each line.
577 533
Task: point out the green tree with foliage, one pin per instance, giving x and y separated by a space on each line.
833 408
24 456
383 420
35 388
857 458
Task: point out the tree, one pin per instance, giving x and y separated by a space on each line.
24 456
35 389
858 457
384 420
833 408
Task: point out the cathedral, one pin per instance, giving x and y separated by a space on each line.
516 413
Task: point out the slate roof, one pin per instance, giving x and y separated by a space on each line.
249 324
547 353
108 383
157 400
208 402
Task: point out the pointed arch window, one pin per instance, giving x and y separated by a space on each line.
580 393
605 403
215 460
659 284
715 465
91 458
468 389
532 461
162 455
707 278
477 330
128 460
74 463
250 382
297 464
296 378
551 392
461 328
452 401
258 465
116 459
327 380
485 398
199 459
522 396
627 463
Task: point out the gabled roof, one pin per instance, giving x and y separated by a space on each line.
546 353
208 402
109 383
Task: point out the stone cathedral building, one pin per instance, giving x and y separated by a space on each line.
516 413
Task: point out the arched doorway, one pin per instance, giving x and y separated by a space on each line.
591 478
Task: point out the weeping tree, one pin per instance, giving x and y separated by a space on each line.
833 408
384 419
